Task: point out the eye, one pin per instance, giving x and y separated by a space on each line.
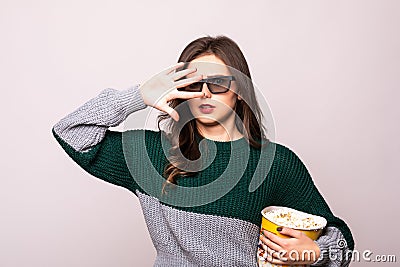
218 81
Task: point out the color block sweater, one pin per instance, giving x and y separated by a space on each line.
216 225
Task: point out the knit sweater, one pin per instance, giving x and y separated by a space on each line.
200 227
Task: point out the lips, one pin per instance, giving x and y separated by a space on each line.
206 106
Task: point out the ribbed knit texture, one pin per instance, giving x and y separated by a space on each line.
287 184
101 153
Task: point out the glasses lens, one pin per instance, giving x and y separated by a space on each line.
216 85
219 85
217 89
194 87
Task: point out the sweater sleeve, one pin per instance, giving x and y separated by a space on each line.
85 137
296 189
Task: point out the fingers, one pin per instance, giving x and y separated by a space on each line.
186 82
172 68
172 113
267 242
273 260
276 255
278 250
184 95
274 238
181 95
285 231
291 232
173 95
182 73
271 255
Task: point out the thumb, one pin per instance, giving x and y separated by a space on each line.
174 115
289 231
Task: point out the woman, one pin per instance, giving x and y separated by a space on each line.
214 113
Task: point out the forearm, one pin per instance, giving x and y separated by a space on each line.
333 248
86 126
297 190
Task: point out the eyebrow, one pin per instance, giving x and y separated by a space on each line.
217 75
208 77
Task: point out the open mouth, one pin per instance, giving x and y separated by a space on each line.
206 108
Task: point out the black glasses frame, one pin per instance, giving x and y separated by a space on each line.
209 81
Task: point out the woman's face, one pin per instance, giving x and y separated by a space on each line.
222 106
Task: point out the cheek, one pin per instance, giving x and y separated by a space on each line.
193 108
191 104
229 102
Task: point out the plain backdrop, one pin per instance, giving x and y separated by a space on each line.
330 71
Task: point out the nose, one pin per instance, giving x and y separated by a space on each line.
207 93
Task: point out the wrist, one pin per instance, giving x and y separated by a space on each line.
317 251
142 95
320 254
131 100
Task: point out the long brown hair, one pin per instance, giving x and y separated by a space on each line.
183 137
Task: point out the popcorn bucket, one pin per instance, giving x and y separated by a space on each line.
275 216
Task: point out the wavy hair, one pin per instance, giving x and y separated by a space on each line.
183 137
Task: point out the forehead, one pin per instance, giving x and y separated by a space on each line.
209 65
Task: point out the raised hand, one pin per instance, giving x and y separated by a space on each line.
162 88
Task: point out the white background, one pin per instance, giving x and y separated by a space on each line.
329 70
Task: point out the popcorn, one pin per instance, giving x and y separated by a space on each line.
275 216
296 220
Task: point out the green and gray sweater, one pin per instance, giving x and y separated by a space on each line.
223 231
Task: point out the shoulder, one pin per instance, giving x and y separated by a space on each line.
283 153
292 172
285 157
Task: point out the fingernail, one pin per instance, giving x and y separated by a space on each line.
279 229
264 232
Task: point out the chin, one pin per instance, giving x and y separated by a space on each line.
207 120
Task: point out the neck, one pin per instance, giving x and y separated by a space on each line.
219 132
